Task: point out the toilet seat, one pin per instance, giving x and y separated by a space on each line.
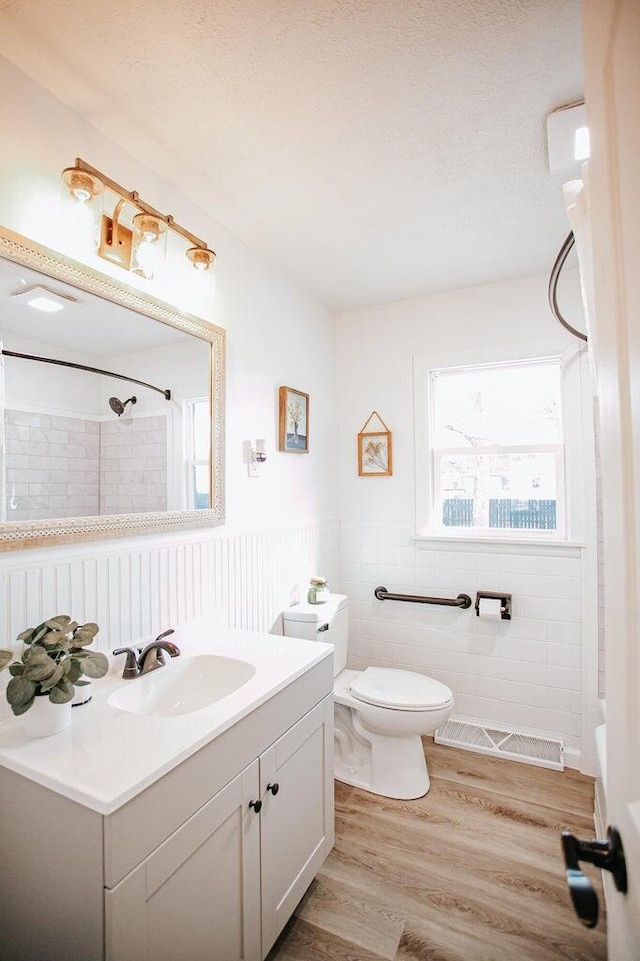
400 690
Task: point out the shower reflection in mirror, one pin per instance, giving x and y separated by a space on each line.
74 442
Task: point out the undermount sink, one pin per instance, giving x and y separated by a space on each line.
183 686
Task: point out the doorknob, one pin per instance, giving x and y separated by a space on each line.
607 855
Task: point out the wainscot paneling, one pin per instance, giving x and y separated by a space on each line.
134 590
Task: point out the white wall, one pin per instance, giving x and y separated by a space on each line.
536 672
276 335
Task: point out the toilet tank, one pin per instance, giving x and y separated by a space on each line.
328 622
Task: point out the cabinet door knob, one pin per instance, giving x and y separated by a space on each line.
256 805
274 788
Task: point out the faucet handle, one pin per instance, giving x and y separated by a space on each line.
159 653
131 668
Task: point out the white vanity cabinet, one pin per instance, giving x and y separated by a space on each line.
187 867
223 886
198 894
297 815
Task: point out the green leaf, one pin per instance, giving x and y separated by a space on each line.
16 669
55 638
62 692
95 665
19 709
20 690
82 638
36 655
39 633
72 670
40 671
59 623
5 657
50 682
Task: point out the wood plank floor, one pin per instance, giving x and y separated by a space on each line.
471 872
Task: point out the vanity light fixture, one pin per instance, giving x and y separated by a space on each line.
139 244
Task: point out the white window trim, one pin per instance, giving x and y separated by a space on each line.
190 463
574 375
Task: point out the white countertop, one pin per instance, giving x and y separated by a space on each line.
107 756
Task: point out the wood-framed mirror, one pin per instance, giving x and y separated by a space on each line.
111 406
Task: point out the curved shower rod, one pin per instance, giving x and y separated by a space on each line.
553 286
92 370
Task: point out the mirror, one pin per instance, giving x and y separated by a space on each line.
111 405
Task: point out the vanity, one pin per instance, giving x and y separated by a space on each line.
145 836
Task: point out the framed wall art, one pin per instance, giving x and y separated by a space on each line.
293 421
374 449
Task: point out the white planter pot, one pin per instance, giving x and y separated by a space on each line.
82 695
44 718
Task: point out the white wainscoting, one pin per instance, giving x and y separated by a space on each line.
135 589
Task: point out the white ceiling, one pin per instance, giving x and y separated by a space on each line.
89 324
373 150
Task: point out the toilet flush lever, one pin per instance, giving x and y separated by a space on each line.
323 627
607 855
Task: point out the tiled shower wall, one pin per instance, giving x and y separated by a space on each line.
523 673
52 465
133 465
73 467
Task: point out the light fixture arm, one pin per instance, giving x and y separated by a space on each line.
133 197
115 221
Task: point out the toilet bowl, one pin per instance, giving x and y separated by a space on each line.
381 714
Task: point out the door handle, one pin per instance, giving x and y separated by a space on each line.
607 855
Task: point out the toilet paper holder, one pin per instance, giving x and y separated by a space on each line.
505 603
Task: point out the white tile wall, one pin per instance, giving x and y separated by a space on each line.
133 465
524 673
52 466
134 590
72 467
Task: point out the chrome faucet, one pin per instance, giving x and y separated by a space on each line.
149 658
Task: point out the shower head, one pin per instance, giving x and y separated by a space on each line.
118 407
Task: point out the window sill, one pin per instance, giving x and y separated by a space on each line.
498 545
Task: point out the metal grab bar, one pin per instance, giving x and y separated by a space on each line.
462 601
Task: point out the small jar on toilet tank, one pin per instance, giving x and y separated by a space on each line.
318 591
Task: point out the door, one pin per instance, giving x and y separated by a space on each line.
197 896
611 31
296 788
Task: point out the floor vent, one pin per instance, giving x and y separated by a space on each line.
528 748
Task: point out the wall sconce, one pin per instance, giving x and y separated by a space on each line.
138 248
257 455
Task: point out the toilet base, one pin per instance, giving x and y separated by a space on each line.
393 767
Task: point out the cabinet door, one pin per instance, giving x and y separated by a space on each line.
297 821
197 896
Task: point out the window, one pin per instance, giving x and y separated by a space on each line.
495 448
198 452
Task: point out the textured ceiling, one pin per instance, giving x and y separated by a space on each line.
371 149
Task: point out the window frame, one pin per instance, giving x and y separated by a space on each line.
190 461
569 502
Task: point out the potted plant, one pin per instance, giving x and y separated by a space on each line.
53 663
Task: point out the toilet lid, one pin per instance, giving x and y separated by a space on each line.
402 690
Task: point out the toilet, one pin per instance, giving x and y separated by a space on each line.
380 713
